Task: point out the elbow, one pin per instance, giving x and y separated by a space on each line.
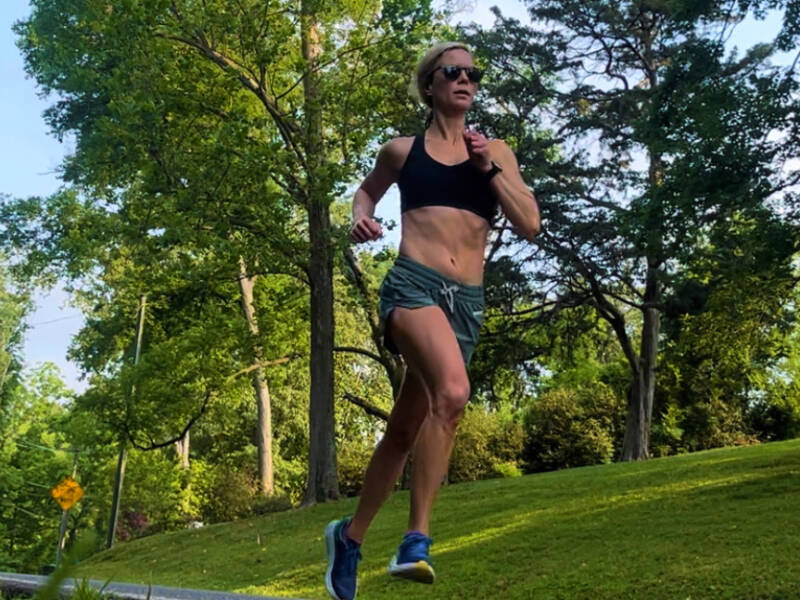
532 231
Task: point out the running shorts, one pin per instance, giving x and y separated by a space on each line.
411 284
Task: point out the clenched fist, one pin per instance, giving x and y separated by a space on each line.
478 148
365 229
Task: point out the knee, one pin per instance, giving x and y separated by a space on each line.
450 401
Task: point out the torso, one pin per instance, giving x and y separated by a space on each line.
448 239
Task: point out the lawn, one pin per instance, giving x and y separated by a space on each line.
720 524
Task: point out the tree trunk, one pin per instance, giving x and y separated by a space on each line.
322 479
182 448
642 389
264 431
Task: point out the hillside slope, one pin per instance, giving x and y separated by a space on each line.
716 524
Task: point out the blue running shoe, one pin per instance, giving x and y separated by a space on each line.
412 560
343 556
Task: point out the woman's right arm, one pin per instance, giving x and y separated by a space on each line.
386 171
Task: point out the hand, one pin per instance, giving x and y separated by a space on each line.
365 229
478 148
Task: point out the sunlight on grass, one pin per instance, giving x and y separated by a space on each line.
714 524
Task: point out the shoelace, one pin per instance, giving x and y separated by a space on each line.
448 294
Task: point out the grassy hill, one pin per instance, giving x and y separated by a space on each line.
723 523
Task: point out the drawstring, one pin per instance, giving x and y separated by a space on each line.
448 294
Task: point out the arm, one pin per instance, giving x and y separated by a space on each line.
516 199
518 202
384 174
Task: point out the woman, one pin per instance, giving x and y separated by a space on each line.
431 301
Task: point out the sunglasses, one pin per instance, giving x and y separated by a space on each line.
452 72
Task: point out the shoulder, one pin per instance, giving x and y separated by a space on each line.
394 152
499 148
501 152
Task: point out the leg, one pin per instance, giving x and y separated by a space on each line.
427 342
390 455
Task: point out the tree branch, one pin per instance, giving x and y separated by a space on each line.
368 408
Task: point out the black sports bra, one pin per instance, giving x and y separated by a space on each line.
427 182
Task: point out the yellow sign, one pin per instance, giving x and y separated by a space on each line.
67 492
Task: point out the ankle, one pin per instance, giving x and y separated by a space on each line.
346 534
417 531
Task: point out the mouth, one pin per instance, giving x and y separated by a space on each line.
463 93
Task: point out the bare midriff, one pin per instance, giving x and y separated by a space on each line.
449 240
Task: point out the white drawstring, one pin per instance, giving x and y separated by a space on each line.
448 294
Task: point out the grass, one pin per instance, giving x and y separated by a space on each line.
719 524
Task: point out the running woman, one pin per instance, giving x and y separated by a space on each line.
451 181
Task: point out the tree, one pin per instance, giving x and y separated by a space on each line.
252 72
623 84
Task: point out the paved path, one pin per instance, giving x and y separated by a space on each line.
28 584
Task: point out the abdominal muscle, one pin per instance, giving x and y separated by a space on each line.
449 240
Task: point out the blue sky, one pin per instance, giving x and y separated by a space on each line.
29 158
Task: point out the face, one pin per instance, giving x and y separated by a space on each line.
453 95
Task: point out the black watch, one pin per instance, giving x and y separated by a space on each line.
493 171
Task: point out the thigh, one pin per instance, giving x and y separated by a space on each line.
429 346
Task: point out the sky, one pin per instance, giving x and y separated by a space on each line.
29 158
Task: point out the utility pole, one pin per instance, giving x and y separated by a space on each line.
123 456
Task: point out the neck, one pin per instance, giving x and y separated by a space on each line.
447 127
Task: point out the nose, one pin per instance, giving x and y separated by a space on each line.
462 76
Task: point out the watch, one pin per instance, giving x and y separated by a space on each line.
493 171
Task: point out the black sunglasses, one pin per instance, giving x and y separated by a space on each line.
452 72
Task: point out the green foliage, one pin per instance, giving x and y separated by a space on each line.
85 591
263 505
487 444
573 427
33 457
351 463
655 82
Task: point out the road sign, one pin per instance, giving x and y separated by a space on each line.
67 492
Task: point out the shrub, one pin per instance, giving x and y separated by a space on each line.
573 427
352 459
225 494
483 441
278 502
505 469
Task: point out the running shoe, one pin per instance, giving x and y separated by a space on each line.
412 560
343 556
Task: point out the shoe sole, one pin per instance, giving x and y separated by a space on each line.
330 548
419 571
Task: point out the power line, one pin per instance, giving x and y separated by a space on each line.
56 320
35 446
47 487
45 448
26 511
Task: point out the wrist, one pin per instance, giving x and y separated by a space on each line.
493 170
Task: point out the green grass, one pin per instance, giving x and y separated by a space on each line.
718 524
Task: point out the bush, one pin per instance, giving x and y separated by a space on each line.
224 493
572 428
484 441
505 469
278 502
777 415
352 459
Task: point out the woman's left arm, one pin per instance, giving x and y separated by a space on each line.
517 201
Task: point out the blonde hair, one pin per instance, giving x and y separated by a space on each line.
426 65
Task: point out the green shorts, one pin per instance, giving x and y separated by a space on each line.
411 284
